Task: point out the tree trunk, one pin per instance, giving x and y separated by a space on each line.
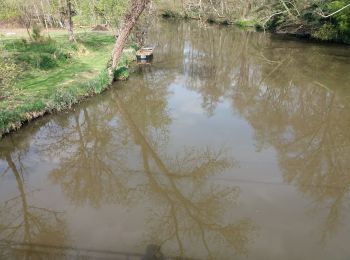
26 21
246 10
135 10
44 16
69 21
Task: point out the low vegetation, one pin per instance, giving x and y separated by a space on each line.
319 19
50 74
40 74
323 20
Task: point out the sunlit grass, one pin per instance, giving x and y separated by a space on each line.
56 74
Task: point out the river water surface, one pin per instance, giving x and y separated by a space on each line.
231 145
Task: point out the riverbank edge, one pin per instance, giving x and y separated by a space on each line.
95 86
246 24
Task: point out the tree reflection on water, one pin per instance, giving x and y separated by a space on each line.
116 150
22 223
186 209
281 89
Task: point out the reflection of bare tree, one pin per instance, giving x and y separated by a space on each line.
85 172
97 169
90 169
314 157
188 208
24 223
96 144
308 127
206 65
280 87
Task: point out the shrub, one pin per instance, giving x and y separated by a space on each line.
327 32
46 61
9 72
36 33
121 73
63 98
211 18
134 46
6 117
169 14
341 20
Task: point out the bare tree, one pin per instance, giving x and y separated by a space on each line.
68 12
135 10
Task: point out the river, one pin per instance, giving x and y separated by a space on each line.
231 145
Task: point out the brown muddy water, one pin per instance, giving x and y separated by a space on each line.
231 145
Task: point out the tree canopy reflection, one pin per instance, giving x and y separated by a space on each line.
186 209
281 90
23 225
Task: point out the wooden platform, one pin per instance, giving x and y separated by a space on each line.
144 54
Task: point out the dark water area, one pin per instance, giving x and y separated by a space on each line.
230 145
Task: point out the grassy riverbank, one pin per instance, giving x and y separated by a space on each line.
52 74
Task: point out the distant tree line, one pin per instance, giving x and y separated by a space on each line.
121 15
51 12
60 13
321 19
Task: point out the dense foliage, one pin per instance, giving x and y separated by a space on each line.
322 19
338 26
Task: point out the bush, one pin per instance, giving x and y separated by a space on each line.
170 14
36 33
211 18
121 73
46 61
6 117
63 98
9 72
135 46
341 20
333 28
327 32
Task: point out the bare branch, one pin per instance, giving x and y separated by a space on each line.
329 15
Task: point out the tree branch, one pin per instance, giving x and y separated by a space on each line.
329 15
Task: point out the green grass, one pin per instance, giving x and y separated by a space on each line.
245 23
56 74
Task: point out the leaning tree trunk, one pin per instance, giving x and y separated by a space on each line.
135 10
69 21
